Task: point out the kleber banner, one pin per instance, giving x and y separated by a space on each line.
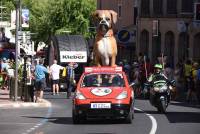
73 56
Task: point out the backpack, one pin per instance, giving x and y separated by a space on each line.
64 73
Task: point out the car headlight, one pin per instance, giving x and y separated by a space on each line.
122 95
79 95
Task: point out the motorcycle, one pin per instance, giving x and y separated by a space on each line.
160 94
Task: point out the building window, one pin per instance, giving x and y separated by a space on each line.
135 10
120 10
145 9
187 6
157 7
100 6
171 6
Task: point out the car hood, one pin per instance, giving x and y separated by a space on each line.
101 92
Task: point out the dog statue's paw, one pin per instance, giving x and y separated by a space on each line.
114 65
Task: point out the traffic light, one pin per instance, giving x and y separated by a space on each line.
197 11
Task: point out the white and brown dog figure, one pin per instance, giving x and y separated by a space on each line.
105 47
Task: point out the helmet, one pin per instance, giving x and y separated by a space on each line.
158 66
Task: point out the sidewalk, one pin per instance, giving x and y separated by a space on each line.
5 102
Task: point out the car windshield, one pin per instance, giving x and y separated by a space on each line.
103 80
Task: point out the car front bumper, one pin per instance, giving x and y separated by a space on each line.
116 111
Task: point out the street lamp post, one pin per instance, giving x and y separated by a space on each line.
16 49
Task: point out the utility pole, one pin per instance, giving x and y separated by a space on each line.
20 16
16 49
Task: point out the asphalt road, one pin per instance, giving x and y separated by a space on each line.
179 119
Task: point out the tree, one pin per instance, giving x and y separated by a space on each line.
73 15
49 17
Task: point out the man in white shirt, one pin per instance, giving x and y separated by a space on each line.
55 75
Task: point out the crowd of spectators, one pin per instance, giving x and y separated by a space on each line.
185 73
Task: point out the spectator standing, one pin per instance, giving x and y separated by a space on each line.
4 70
146 70
178 80
136 78
168 71
198 85
70 77
191 94
40 80
4 65
127 68
55 75
187 73
0 64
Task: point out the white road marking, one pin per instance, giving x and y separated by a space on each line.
14 123
32 128
42 122
153 121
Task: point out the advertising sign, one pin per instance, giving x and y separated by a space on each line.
73 56
25 18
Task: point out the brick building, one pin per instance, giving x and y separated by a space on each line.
163 26
169 27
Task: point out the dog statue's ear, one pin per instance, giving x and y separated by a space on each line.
114 16
96 13
95 17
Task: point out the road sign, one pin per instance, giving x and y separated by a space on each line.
24 36
124 36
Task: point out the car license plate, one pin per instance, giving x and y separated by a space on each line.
100 105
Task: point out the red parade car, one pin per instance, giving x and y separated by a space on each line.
103 92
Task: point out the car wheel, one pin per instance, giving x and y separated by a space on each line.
130 116
75 118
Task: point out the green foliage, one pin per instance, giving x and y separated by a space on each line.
61 16
49 17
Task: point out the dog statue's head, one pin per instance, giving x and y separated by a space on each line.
104 19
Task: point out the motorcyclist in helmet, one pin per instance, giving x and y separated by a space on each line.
158 75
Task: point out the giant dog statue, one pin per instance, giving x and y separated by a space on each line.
105 47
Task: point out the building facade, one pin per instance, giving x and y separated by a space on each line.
165 27
168 27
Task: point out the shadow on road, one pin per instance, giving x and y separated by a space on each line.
183 117
184 104
68 120
179 117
